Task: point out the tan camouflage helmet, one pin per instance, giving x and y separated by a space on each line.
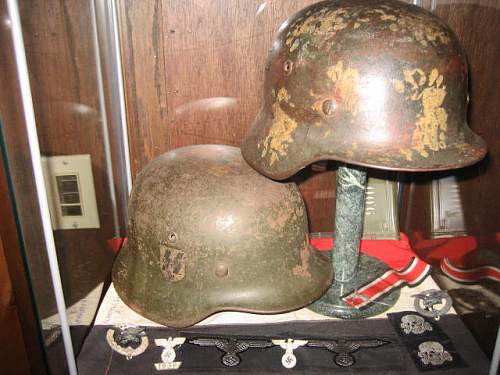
207 233
377 83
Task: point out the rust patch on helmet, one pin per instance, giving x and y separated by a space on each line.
431 123
346 81
302 270
172 263
275 145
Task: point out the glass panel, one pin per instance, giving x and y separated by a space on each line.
72 119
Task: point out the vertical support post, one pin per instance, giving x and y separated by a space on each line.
349 217
351 268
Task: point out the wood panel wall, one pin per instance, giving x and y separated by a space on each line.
477 26
194 72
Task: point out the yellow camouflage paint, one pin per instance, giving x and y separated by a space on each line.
414 25
431 122
346 81
283 95
275 145
318 23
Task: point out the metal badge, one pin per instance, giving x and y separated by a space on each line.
288 360
433 353
425 303
168 353
231 347
343 348
415 324
127 339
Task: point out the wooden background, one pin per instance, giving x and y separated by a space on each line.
194 73
477 25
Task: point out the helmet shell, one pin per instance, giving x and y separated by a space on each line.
376 83
207 233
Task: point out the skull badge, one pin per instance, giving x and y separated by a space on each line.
415 324
433 353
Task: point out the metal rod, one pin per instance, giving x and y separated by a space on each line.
104 120
349 217
121 94
29 115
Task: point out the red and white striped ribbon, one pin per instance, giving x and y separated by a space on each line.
416 271
469 275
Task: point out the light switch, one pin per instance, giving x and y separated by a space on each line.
70 191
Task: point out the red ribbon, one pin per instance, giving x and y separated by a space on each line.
454 256
470 275
397 254
406 267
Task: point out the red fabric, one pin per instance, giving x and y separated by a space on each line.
469 275
412 275
115 244
406 267
397 254
455 248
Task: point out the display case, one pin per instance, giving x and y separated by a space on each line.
92 91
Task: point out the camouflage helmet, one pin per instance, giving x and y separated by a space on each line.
207 233
376 83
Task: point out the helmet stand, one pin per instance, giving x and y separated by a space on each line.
352 269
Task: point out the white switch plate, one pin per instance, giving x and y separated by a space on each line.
70 191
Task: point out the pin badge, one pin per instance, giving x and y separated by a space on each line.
425 303
289 360
231 347
127 339
168 353
343 348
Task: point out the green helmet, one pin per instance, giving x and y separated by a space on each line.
207 233
377 83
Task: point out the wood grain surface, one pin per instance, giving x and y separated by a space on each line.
194 74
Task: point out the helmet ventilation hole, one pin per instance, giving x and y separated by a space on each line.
287 66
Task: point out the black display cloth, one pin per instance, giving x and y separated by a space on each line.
97 357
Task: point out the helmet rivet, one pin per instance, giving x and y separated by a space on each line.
172 237
287 66
329 106
221 270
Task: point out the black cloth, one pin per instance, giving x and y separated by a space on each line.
97 357
413 341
